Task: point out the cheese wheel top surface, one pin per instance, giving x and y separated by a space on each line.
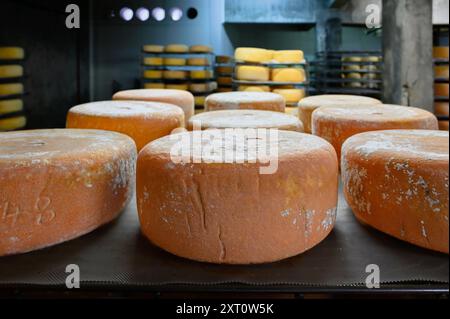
247 119
237 100
313 102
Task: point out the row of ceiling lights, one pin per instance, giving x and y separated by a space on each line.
143 14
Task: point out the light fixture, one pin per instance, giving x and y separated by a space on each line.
126 14
176 14
159 14
143 14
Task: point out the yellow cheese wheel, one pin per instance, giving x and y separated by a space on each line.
200 100
354 76
175 75
224 80
154 86
201 74
182 99
222 215
224 70
11 89
200 49
254 88
12 123
351 67
309 104
397 182
10 71
198 62
289 56
441 71
441 89
202 87
60 184
291 95
142 121
12 53
253 55
245 119
352 59
291 75
151 48
253 73
337 124
177 48
174 61
441 108
181 86
153 74
440 52
153 61
10 106
371 59
246 101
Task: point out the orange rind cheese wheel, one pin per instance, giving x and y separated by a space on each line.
245 100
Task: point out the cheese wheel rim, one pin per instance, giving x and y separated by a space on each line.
246 100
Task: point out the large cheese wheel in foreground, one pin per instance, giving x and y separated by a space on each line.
57 185
309 104
336 124
180 98
231 213
397 182
245 100
246 119
142 121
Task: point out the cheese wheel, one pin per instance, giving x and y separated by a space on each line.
174 61
228 70
153 74
441 89
371 59
11 89
355 76
397 182
10 106
200 100
309 104
12 123
182 86
177 48
337 124
291 95
291 75
352 59
142 121
289 56
224 80
223 59
441 72
293 111
60 184
198 62
154 86
254 88
201 74
200 49
12 53
10 71
228 213
202 87
351 67
441 108
253 73
151 48
153 61
246 101
175 75
182 99
224 90
440 52
443 125
245 119
253 55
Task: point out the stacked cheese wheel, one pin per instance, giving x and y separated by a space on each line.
441 106
224 73
245 101
11 89
363 68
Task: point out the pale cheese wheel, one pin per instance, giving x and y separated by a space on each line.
154 86
337 124
289 75
202 87
181 86
289 56
12 123
253 55
60 184
200 49
441 108
201 74
245 100
245 119
180 98
443 125
153 74
441 71
11 106
291 95
151 48
10 71
309 104
12 53
224 80
440 52
254 88
253 73
198 62
216 212
354 76
371 59
175 75
153 61
177 48
11 89
175 61
397 182
441 89
144 122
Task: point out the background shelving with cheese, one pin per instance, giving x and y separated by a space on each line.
441 75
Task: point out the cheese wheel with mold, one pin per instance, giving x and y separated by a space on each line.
180 98
12 53
309 104
245 100
397 182
337 124
246 119
60 184
228 213
144 122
